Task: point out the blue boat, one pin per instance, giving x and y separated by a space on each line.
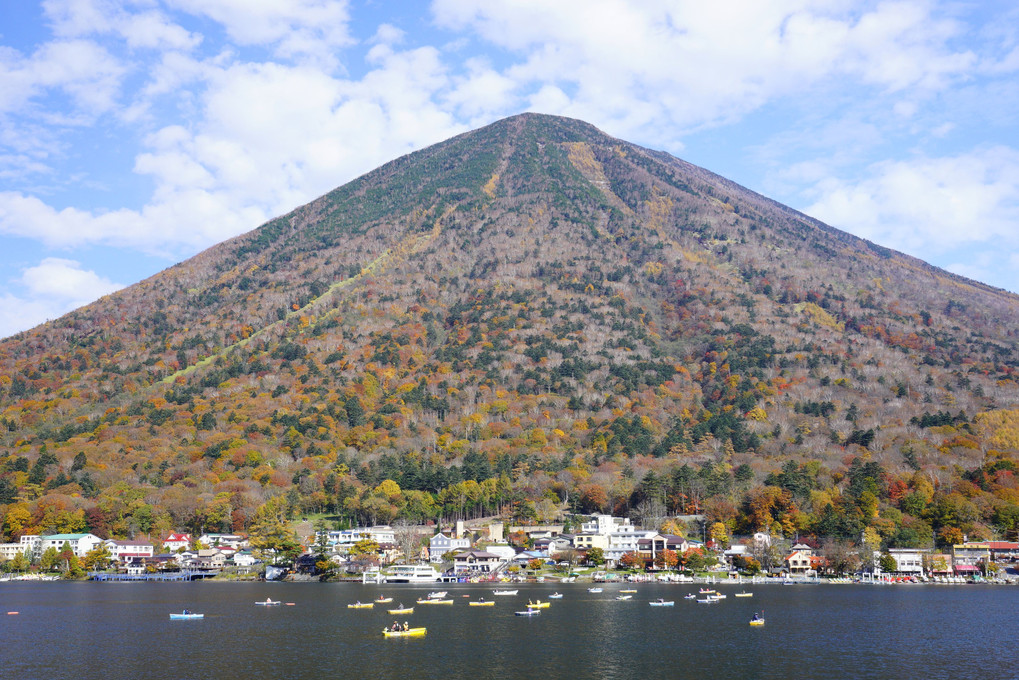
186 615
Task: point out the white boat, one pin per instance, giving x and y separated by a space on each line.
555 596
624 597
185 615
662 603
594 590
529 612
413 573
269 603
504 592
690 596
436 594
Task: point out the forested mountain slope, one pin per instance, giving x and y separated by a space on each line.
528 317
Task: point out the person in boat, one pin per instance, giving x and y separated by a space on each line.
406 626
187 611
757 617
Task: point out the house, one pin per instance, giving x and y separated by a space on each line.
175 542
440 544
476 560
970 558
8 551
649 547
347 537
801 562
585 541
244 559
908 561
130 551
81 544
1002 551
225 541
604 525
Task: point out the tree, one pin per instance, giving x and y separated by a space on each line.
631 560
50 559
596 556
271 536
887 563
97 559
667 559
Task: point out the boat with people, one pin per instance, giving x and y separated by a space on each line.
707 591
628 590
706 600
594 590
689 596
758 619
404 632
744 594
529 612
435 600
505 592
437 594
481 603
624 597
538 605
401 610
360 605
382 599
555 596
662 603
268 602
186 615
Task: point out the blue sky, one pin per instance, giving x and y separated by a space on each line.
135 133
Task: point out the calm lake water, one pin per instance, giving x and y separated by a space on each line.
122 630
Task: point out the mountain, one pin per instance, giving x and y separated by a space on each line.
528 317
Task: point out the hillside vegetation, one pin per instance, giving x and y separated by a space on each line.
528 318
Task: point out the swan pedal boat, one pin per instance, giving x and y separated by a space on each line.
413 632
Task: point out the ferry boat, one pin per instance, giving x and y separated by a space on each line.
413 573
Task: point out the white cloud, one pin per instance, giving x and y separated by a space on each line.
87 72
928 205
52 288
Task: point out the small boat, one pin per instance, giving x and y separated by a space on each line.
758 620
269 603
434 600
186 615
624 597
383 600
538 605
401 610
707 591
361 606
436 594
555 596
529 612
505 592
662 603
744 594
628 590
594 590
413 632
690 596
707 600
481 603
717 596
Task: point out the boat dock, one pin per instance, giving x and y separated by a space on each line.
186 575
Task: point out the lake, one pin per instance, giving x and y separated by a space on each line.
85 630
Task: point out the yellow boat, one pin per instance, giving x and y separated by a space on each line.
402 610
756 622
629 590
744 594
361 605
435 601
538 605
413 632
481 603
383 600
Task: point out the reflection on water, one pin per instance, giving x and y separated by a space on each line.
122 630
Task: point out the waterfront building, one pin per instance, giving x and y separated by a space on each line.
908 561
476 560
175 542
130 551
440 544
801 561
81 544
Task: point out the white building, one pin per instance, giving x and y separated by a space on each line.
908 560
81 544
130 551
229 542
603 525
175 542
347 537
